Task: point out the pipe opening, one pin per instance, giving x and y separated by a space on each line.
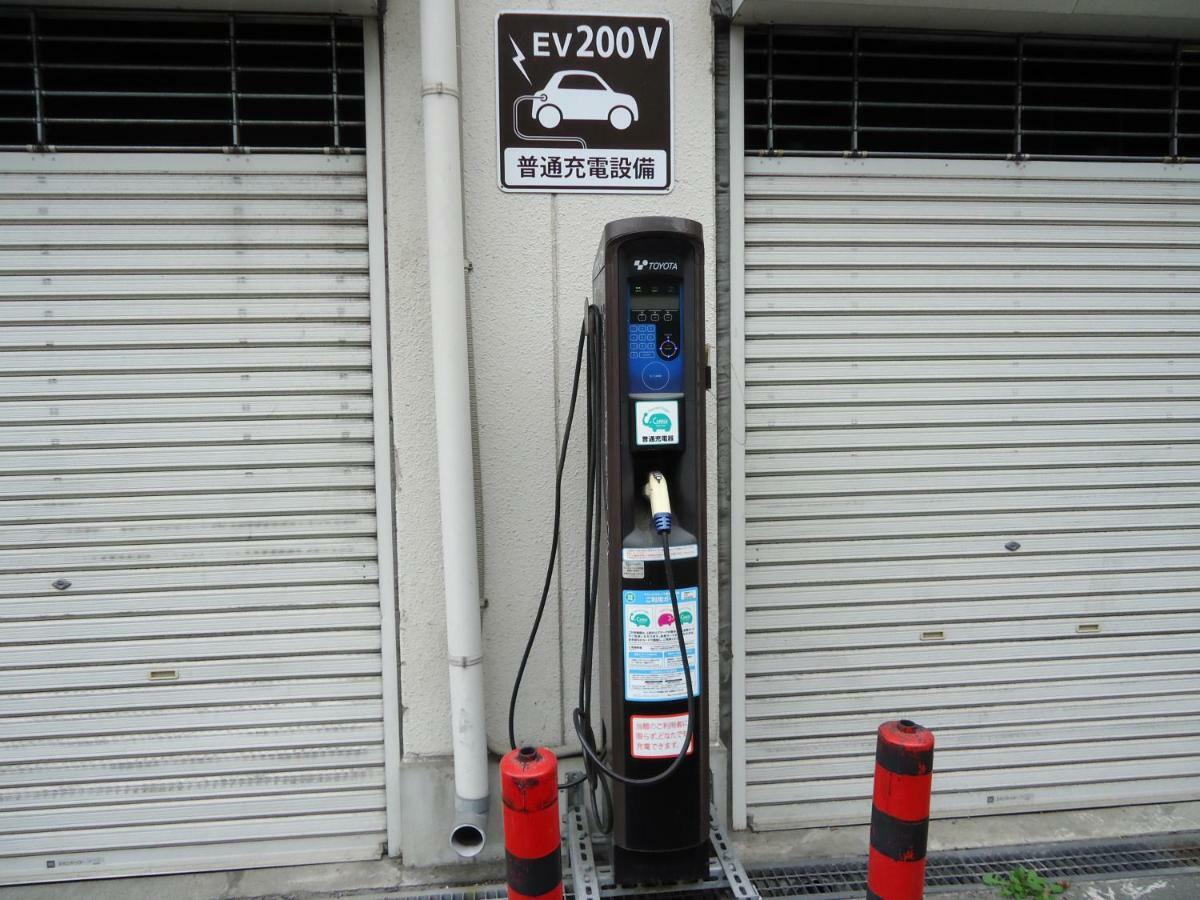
908 725
467 839
528 753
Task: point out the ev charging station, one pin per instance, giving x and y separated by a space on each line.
645 592
648 279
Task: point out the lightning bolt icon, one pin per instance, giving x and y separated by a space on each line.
520 58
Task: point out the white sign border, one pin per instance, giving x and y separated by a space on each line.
496 109
639 430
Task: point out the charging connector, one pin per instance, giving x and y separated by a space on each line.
660 502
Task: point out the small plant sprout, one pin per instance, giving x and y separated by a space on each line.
1025 884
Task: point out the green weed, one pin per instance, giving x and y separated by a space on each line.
1025 884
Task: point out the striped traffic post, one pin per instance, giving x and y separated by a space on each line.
900 812
532 832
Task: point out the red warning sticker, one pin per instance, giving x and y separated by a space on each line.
658 737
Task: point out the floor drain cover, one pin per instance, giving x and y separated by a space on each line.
844 878
492 892
966 868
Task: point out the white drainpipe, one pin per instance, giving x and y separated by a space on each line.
452 395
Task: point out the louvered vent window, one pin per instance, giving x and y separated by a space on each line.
898 93
100 81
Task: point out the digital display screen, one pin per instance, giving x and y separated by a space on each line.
654 295
655 301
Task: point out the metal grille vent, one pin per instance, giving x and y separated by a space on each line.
900 93
945 870
108 81
1071 860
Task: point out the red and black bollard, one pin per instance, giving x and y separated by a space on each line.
900 812
532 833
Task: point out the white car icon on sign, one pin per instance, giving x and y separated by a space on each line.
579 94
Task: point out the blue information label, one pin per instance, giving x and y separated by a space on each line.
653 668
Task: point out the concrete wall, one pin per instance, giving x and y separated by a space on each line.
529 259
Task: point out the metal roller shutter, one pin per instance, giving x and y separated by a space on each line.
943 360
189 609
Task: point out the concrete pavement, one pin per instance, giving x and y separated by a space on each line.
380 879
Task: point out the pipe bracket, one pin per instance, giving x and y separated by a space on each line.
440 87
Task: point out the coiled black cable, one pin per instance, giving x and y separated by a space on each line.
591 341
581 715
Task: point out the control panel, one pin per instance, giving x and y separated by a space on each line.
655 348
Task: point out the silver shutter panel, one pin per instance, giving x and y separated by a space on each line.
189 614
945 360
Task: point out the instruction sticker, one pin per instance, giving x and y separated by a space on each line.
653 669
655 554
633 568
658 737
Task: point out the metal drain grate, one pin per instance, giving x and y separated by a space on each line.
965 868
845 878
490 892
497 892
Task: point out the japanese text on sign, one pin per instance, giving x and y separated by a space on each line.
658 737
584 102
653 669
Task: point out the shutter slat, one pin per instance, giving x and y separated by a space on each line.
942 358
191 673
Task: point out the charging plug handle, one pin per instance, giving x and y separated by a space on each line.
660 501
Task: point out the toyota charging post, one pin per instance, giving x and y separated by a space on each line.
648 280
645 590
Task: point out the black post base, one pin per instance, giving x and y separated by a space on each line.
632 867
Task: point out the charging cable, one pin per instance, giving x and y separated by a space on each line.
660 511
516 119
591 339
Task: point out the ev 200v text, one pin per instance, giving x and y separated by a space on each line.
603 42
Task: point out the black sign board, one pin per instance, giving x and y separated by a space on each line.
583 102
